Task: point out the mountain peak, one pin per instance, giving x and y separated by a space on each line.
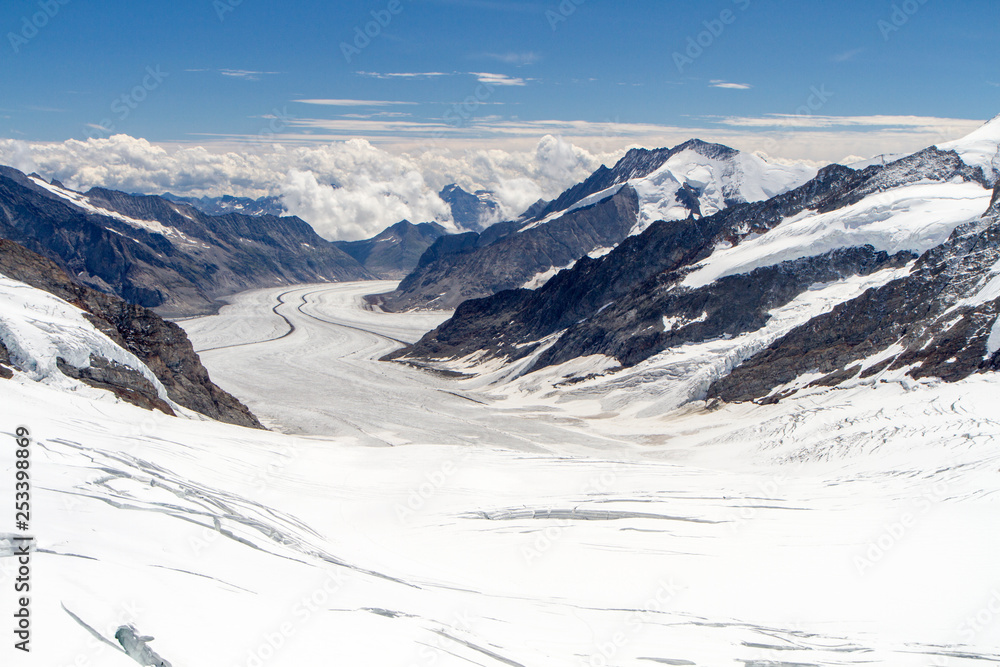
980 148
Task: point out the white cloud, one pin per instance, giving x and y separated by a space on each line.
402 75
243 74
353 103
498 79
814 121
374 188
847 56
515 58
719 83
382 183
18 154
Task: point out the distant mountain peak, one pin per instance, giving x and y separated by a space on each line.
471 211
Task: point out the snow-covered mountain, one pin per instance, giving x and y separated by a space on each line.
78 340
854 273
471 211
162 254
693 179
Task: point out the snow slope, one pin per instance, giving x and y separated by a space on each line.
681 374
914 217
849 527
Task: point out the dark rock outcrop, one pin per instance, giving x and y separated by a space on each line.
394 252
137 647
162 346
126 383
5 363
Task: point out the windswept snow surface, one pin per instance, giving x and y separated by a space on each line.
854 526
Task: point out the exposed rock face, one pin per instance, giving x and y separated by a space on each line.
162 346
161 254
124 382
394 252
473 212
5 364
620 305
936 322
470 266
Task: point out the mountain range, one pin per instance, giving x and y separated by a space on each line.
161 254
729 276
693 179
890 270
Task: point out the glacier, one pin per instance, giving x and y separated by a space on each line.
398 517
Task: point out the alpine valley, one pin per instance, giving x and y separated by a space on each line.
702 408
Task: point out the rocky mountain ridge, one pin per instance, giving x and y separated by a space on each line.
162 254
641 299
395 252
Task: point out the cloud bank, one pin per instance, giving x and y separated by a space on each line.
349 188
344 189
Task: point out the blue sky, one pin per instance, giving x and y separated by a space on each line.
492 72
